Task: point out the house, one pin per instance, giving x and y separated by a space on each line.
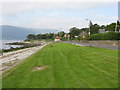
107 31
102 31
67 36
83 34
56 39
76 36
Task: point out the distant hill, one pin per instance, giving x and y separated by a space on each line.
14 32
20 33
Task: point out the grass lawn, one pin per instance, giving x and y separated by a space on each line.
67 66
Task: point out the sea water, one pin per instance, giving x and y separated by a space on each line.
3 42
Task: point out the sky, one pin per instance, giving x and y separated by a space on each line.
58 15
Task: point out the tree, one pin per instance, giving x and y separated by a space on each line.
31 37
84 29
74 32
51 35
94 29
102 27
61 34
110 27
39 36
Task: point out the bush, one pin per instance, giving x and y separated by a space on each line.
105 36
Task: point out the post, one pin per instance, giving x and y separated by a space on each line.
116 28
89 26
89 31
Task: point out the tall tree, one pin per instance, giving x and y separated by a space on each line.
31 37
51 35
94 29
84 29
74 32
110 27
61 34
102 27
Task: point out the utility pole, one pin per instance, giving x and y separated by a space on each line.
116 27
89 26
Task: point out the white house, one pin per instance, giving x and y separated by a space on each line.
56 39
102 31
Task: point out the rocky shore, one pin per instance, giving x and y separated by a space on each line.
10 59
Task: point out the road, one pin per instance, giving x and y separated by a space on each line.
98 46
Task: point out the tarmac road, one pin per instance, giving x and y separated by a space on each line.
98 46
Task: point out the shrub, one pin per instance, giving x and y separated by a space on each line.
105 36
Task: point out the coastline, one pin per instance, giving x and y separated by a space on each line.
4 46
11 59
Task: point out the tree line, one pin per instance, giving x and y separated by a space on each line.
77 33
45 36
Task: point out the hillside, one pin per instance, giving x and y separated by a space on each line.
20 33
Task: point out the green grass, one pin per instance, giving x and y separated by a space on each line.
69 66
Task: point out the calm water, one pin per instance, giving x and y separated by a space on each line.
3 42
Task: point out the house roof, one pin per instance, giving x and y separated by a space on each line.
56 37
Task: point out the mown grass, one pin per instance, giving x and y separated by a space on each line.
69 66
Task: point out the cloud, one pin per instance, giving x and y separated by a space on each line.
50 23
61 23
59 0
53 15
67 23
104 20
19 7
57 23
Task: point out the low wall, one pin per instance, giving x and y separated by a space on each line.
101 42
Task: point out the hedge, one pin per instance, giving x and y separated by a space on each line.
105 36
